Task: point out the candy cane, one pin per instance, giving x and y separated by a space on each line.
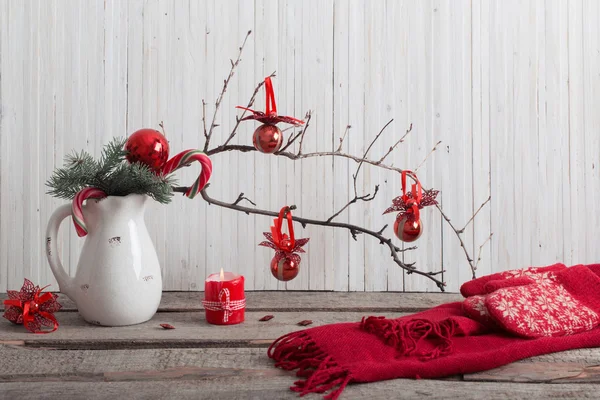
77 211
186 158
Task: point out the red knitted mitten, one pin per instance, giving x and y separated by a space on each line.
474 308
494 281
565 305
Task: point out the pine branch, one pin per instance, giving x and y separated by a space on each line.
112 174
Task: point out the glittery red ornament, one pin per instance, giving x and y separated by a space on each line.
408 229
408 226
267 137
285 265
149 147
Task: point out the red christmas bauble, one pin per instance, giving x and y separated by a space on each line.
267 138
149 147
284 268
408 229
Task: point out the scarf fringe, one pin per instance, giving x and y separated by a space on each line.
319 372
407 335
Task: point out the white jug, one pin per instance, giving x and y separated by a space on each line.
118 279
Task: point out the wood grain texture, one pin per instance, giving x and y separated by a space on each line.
276 387
301 301
509 87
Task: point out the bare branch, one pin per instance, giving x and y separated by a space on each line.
409 130
427 156
474 215
480 248
365 198
292 139
220 98
367 152
354 231
162 128
250 103
308 116
204 124
458 235
343 137
242 197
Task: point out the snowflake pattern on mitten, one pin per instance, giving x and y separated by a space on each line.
543 309
531 273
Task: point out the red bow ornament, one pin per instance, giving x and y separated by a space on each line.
32 308
286 262
268 138
408 227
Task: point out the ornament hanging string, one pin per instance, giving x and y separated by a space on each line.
413 201
281 240
271 107
31 308
270 115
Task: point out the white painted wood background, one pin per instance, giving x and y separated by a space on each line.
511 88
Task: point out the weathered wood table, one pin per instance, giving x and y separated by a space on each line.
201 361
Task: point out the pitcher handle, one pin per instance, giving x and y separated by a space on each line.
63 279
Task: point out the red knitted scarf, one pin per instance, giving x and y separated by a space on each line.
435 343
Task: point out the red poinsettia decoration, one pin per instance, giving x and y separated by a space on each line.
281 251
32 308
270 115
286 262
409 203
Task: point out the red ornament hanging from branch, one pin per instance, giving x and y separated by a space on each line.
286 262
268 138
408 226
32 308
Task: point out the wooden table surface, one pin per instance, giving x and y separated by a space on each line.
201 361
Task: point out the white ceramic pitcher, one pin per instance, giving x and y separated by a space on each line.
118 280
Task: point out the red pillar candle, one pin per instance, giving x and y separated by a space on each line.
224 298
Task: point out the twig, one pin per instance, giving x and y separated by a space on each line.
309 115
474 215
366 197
427 156
292 139
409 130
242 197
204 124
458 235
354 231
250 103
220 98
162 128
344 137
479 255
367 152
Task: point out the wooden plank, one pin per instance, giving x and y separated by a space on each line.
27 364
191 330
302 301
248 387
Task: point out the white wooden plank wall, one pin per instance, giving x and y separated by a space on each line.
511 88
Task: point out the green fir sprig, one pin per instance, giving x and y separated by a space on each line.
112 174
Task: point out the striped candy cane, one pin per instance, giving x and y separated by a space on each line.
186 158
77 211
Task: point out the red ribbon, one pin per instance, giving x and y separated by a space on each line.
30 308
280 239
417 193
271 108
